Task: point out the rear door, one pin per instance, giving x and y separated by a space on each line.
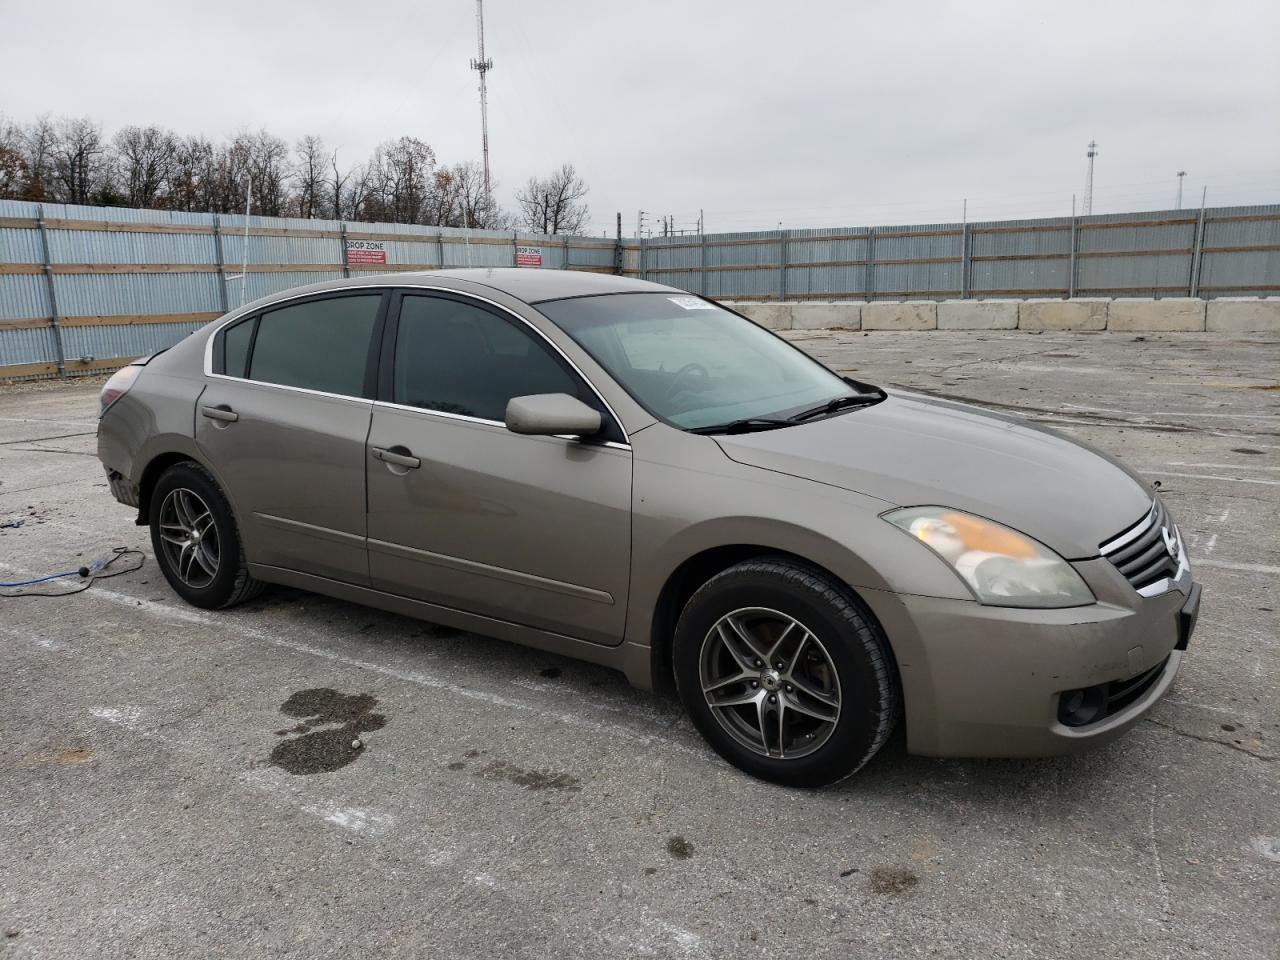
284 421
464 513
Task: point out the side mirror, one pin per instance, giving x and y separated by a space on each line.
551 414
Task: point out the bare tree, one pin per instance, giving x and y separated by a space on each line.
145 161
309 177
457 199
397 180
553 204
193 181
39 139
341 203
78 159
13 166
149 166
266 159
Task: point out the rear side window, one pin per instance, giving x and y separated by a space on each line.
319 345
235 346
458 358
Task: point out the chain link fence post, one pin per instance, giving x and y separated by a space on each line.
1197 256
54 323
222 267
869 280
1071 268
782 263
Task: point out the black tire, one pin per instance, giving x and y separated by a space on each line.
231 583
851 639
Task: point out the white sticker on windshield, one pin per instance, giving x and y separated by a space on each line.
691 303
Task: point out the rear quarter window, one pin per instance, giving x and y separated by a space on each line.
318 345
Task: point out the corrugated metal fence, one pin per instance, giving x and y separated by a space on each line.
1228 251
85 288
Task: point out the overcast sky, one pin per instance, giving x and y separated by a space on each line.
806 113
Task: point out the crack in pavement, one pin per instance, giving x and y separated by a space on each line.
60 436
1090 417
1265 758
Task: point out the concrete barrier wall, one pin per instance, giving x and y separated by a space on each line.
1128 315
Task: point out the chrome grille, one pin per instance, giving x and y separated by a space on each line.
1148 551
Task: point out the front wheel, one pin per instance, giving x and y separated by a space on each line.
785 673
196 543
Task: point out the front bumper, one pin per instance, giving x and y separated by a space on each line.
982 681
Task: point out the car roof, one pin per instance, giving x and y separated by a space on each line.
533 286
524 283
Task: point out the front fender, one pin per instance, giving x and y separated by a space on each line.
689 498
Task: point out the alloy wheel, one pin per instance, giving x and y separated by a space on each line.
189 537
770 683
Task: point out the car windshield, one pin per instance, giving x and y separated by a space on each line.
692 363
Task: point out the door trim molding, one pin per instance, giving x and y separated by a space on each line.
476 568
310 529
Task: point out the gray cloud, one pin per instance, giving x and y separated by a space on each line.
812 113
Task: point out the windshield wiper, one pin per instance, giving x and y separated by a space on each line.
839 403
745 425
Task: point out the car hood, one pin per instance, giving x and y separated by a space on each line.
913 450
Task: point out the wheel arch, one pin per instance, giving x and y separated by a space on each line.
161 458
695 570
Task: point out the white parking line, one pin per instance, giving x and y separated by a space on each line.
1221 466
1243 567
1207 476
163 610
1171 413
78 423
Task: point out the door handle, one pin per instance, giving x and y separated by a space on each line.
221 412
398 459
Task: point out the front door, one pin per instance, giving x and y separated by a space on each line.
284 421
464 513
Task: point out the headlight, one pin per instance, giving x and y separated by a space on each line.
1001 566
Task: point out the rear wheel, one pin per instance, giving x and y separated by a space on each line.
785 673
196 543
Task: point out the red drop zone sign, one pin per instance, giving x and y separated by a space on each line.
528 256
366 251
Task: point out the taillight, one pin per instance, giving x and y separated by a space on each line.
117 386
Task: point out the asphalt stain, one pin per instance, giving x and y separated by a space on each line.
529 779
680 848
61 756
549 672
1248 450
892 880
345 717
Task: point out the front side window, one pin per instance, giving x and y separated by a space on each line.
691 362
320 344
455 357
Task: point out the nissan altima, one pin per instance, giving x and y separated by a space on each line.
629 474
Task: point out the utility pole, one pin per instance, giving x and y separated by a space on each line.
483 65
640 215
1178 203
1087 208
702 229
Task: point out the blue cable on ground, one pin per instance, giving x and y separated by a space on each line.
83 571
97 570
